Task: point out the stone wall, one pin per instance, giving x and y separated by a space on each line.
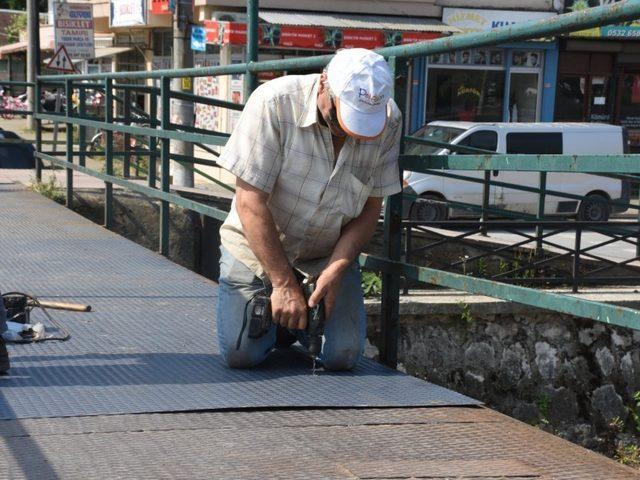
570 376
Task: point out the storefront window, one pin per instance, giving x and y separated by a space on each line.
570 98
629 115
466 95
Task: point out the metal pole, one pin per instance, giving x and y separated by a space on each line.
82 130
108 153
251 79
153 141
540 216
576 260
126 160
68 84
33 57
182 110
36 108
486 191
390 308
165 99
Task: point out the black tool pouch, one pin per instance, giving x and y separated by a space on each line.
259 312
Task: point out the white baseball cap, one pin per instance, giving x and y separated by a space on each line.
361 81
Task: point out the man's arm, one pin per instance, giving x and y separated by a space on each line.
355 235
287 301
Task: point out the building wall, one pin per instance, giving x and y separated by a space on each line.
416 8
538 5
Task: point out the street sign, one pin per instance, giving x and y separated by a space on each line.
61 61
198 39
73 25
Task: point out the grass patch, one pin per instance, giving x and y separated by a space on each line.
50 189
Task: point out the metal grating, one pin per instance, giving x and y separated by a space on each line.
149 345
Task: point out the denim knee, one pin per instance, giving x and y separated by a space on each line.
344 359
243 358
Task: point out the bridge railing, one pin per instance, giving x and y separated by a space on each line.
155 125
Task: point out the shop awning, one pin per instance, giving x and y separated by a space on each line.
99 53
328 32
19 47
345 20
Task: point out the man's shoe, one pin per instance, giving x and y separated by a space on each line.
4 357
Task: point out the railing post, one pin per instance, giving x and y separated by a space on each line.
36 108
68 90
82 130
406 258
486 191
126 160
251 79
108 153
153 142
165 99
576 260
390 308
540 216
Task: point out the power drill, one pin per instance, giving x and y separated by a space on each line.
315 319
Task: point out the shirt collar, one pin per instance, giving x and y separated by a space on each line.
310 114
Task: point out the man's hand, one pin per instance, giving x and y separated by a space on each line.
288 307
327 286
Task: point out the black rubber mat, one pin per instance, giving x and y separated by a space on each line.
149 344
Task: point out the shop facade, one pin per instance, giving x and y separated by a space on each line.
505 83
599 76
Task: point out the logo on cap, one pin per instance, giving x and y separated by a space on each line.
365 97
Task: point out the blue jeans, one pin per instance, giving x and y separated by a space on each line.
344 333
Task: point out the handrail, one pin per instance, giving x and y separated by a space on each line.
622 11
473 159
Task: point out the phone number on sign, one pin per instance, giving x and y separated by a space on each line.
621 32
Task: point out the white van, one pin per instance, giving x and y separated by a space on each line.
514 138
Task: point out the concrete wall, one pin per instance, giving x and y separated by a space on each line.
570 376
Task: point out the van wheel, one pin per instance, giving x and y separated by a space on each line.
424 209
594 208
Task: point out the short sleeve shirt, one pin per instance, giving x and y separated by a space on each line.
279 147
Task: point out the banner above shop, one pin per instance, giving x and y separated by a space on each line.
127 13
472 20
311 38
630 30
161 7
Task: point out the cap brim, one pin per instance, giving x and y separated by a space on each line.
366 126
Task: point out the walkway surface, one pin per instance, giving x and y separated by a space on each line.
139 390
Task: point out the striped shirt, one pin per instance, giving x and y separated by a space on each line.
280 147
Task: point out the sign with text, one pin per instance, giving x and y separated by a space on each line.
310 38
198 39
127 13
476 20
627 30
160 7
73 27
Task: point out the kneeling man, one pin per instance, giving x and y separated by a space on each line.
314 156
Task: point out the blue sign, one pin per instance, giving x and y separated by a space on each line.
198 39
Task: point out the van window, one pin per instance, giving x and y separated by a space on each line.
534 143
484 139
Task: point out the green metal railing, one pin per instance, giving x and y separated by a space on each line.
160 131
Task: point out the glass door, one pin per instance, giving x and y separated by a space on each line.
599 101
523 96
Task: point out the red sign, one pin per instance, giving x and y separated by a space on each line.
311 38
361 38
160 7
